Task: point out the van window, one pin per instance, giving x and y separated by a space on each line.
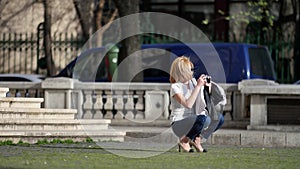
261 64
225 56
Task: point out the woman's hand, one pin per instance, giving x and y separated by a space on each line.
201 81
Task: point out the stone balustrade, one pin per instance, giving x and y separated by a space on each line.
22 89
272 106
132 101
250 100
108 100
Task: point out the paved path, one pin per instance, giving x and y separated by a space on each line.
235 137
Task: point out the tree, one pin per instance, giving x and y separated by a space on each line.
265 27
91 16
91 22
297 44
2 5
47 38
131 44
84 15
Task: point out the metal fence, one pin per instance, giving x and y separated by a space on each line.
17 52
23 53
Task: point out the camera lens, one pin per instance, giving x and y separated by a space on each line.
207 79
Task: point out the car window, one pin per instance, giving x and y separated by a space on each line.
261 64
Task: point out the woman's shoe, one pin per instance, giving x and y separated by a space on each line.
190 150
197 147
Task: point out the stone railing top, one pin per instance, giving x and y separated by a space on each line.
69 83
58 83
123 86
256 82
21 85
229 86
274 90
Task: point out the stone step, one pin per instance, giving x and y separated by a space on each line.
20 102
92 125
3 91
52 124
37 113
33 136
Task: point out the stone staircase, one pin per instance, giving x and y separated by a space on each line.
24 119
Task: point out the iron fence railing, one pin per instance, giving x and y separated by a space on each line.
23 52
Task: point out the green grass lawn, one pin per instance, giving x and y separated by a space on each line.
73 156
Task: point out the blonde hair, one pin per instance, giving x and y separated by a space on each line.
181 70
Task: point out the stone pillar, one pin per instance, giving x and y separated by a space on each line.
58 92
258 110
156 105
254 88
3 91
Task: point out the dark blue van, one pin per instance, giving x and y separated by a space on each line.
225 62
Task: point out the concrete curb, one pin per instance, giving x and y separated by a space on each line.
233 137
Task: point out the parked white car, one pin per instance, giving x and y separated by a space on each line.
297 82
21 78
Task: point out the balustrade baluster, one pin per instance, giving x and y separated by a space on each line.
135 101
139 110
119 104
98 106
109 105
87 105
114 101
27 94
129 106
94 98
104 100
125 100
18 93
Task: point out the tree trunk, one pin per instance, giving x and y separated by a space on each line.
297 45
47 39
131 44
287 23
83 11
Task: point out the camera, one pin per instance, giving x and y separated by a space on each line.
207 78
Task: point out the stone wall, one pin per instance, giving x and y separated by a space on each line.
23 16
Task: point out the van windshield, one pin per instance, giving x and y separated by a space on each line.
261 64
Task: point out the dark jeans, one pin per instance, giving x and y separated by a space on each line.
197 127
221 122
221 118
190 126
